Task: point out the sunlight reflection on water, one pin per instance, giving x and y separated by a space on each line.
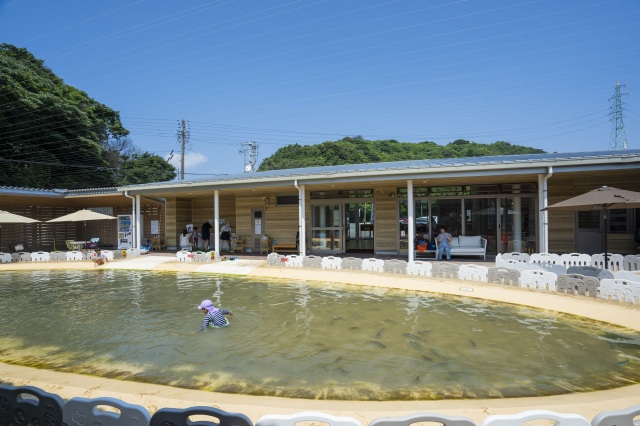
303 340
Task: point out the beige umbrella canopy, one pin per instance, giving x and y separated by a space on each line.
7 217
82 216
603 198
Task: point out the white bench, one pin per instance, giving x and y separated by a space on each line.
468 245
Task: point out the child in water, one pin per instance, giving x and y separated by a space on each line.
214 316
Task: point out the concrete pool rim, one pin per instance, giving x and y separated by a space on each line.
588 404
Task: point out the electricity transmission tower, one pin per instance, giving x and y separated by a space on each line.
250 151
183 136
618 138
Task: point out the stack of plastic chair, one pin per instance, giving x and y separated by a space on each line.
28 405
91 412
180 417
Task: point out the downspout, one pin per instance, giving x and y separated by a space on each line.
133 218
138 233
301 218
543 196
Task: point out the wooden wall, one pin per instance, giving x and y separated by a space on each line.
178 216
184 211
386 231
50 236
562 232
280 222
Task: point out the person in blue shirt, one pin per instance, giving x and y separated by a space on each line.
214 317
444 243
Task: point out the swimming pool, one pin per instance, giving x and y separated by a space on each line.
303 340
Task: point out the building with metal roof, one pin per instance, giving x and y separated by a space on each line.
377 208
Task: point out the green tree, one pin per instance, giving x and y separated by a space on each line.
53 135
356 150
145 167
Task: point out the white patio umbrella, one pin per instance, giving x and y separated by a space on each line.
8 217
82 216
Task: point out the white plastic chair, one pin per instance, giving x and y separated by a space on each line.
108 254
538 280
575 259
5 257
631 262
615 262
624 417
40 256
473 273
408 420
74 255
559 419
294 261
184 256
620 290
545 258
307 416
521 257
373 265
21 256
84 411
419 267
331 262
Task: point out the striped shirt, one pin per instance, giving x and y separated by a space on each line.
216 319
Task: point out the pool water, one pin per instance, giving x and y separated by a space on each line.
303 340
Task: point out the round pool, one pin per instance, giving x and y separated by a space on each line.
304 340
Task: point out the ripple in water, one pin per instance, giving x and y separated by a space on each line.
303 340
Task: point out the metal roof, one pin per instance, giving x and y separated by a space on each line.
405 167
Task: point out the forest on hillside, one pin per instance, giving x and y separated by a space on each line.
357 150
53 135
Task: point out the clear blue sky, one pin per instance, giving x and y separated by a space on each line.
531 72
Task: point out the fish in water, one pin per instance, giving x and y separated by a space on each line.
338 359
426 358
411 336
378 344
473 344
423 332
622 363
379 333
415 345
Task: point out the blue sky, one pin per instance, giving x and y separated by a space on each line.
538 73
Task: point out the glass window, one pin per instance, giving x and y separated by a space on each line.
620 220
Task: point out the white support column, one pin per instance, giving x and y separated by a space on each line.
302 221
134 225
216 223
138 230
411 220
543 203
517 236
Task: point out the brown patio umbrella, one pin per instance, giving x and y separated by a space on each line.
603 198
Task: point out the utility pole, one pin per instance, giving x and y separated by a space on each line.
250 151
183 139
618 138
